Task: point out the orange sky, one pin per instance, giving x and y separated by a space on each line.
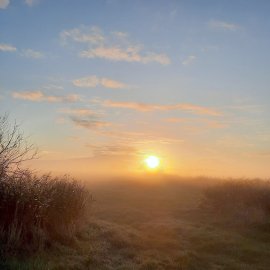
99 85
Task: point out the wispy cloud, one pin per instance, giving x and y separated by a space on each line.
189 60
31 3
77 112
93 81
89 122
29 53
112 149
222 25
115 46
92 35
7 47
138 138
53 87
205 123
4 4
176 120
109 83
84 118
86 82
39 96
146 107
130 54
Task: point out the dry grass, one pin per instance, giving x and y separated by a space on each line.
38 210
161 227
242 201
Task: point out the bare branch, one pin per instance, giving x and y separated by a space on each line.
14 149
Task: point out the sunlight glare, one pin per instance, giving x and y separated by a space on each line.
152 162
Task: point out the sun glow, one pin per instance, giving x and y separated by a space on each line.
152 162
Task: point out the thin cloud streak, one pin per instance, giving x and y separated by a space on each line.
222 25
146 107
189 60
7 48
53 87
112 149
31 3
209 123
39 96
29 53
94 81
78 112
130 54
88 123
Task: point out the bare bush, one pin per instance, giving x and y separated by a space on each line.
34 210
14 149
32 207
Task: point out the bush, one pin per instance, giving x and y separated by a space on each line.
247 200
36 210
14 149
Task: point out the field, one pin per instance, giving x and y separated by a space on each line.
158 224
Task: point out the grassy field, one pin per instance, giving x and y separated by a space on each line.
158 223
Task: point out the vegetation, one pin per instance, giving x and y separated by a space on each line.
35 211
14 149
161 225
241 201
166 223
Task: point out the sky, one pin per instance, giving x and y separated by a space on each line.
100 85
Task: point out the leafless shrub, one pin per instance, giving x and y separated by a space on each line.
14 149
34 210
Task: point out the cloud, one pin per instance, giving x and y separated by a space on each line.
206 123
78 112
86 82
115 46
189 60
130 54
4 4
7 47
112 149
89 122
29 53
138 138
84 118
131 105
53 87
38 96
221 25
108 83
92 35
93 81
176 120
146 107
31 3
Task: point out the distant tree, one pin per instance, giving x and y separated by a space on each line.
14 149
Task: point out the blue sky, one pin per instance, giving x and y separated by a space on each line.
109 82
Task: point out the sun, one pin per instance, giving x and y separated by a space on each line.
152 162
